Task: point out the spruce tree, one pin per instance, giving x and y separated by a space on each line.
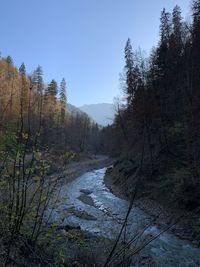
38 80
165 26
22 69
177 22
51 91
63 99
9 60
129 72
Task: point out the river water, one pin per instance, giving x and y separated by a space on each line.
109 212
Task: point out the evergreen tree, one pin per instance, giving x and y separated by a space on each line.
22 69
63 99
196 41
131 73
63 93
177 22
51 91
38 80
176 45
195 51
165 26
9 60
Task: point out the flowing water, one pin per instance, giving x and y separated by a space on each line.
108 213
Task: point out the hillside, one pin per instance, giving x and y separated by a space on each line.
73 110
102 113
156 134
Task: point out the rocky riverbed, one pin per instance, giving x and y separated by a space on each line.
89 204
182 229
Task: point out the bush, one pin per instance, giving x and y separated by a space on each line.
186 189
68 157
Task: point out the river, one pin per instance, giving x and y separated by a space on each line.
107 214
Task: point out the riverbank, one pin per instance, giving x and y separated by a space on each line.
184 229
94 247
75 169
80 247
88 207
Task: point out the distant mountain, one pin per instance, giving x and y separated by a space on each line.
73 110
103 113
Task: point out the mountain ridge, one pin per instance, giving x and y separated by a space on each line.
102 113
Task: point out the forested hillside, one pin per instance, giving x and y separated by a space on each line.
33 112
74 193
38 139
157 129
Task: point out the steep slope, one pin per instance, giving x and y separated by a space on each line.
102 113
73 110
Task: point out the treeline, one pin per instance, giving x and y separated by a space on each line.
158 126
30 107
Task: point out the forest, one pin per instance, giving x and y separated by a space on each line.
36 130
157 126
151 152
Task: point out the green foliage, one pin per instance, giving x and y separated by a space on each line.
8 142
9 60
38 82
51 91
22 69
62 95
75 237
68 157
176 130
186 189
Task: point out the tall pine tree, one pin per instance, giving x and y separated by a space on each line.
63 99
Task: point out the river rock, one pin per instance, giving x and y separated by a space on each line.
87 200
69 227
86 191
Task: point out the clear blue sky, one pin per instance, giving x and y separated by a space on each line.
81 40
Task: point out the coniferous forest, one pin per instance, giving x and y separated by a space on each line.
157 126
70 189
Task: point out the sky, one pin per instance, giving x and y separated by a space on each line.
80 40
